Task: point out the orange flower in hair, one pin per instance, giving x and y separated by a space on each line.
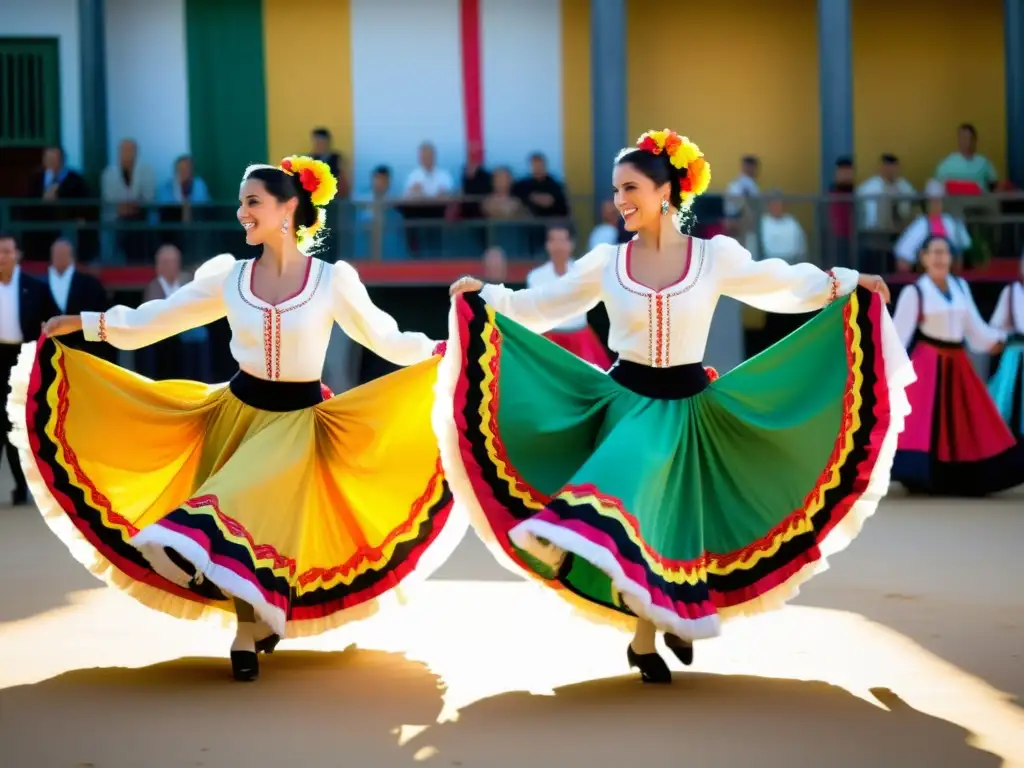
694 170
315 177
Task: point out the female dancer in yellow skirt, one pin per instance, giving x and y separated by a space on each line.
260 496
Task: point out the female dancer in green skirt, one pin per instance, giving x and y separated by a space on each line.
652 495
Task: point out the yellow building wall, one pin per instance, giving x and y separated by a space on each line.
308 60
922 67
577 125
736 76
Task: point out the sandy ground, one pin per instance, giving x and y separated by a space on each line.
908 652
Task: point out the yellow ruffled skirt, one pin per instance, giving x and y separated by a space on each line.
184 497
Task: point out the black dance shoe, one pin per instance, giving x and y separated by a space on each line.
681 648
245 666
268 644
653 668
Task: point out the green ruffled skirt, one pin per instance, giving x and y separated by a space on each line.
714 501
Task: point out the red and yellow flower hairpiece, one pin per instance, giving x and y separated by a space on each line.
694 170
316 178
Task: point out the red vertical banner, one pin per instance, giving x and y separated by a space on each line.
472 77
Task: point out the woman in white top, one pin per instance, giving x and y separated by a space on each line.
653 495
1007 385
955 443
264 497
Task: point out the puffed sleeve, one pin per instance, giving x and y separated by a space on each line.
197 303
547 306
369 325
981 337
906 314
774 285
1001 315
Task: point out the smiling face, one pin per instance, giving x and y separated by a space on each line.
936 258
261 214
637 198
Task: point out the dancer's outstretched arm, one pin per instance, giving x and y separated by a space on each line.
197 303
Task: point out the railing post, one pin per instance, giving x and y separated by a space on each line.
1013 28
608 88
835 78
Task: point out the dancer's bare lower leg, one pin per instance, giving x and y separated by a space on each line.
643 638
245 633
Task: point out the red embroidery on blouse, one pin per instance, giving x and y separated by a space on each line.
103 326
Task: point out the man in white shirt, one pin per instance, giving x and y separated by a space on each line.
25 304
127 188
74 292
781 236
426 188
886 199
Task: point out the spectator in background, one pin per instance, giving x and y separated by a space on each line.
739 207
476 183
934 222
501 205
885 198
495 265
183 189
323 150
427 188
610 231
780 235
74 292
544 197
187 355
966 164
379 233
56 185
127 187
25 304
176 196
841 214
500 202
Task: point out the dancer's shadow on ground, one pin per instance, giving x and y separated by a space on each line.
699 720
308 709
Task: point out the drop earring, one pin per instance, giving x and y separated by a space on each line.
664 207
284 227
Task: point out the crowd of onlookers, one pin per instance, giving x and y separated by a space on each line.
433 213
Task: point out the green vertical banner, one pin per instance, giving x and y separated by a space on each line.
227 90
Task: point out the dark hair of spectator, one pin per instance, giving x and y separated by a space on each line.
844 162
562 226
322 133
938 238
284 187
890 159
382 170
750 160
969 128
657 168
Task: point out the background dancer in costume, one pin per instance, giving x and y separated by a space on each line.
1007 385
955 443
25 304
652 495
575 334
258 497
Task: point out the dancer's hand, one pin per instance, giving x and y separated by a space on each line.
62 325
875 284
996 348
465 285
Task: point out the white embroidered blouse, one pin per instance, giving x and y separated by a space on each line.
670 327
1009 311
953 318
285 342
